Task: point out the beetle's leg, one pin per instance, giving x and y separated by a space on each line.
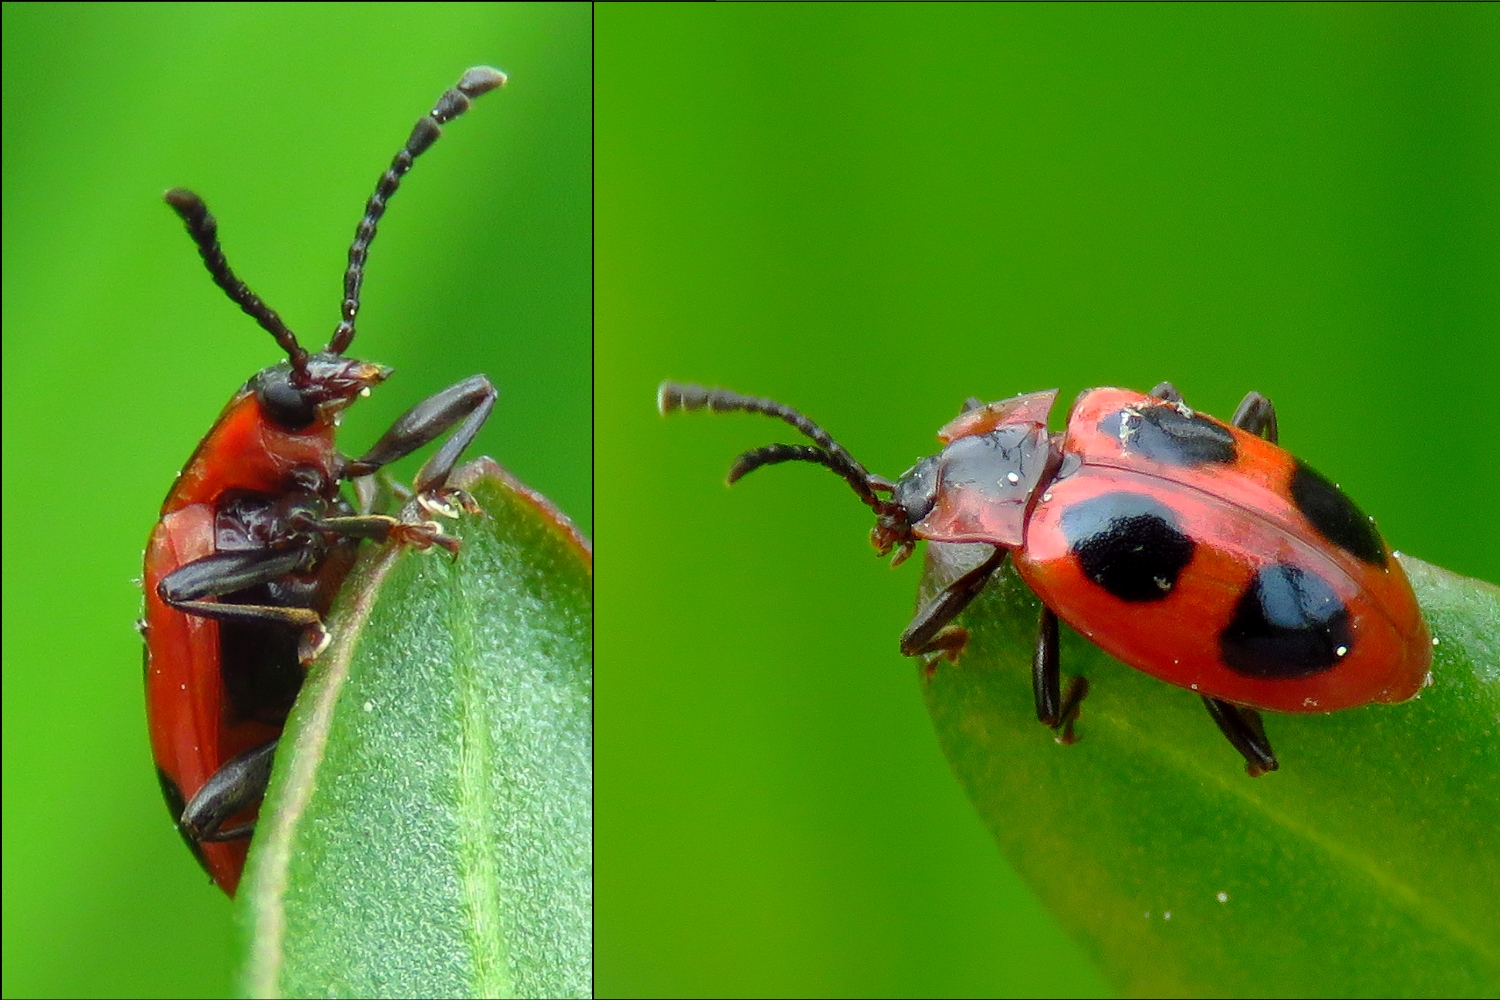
1053 708
1243 728
1167 392
226 572
380 528
378 492
1257 415
929 631
466 404
1046 671
240 783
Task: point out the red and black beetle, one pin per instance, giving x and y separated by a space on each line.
256 536
1197 551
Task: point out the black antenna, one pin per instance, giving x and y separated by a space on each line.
672 396
204 230
775 454
454 102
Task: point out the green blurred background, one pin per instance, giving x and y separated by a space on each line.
873 212
868 212
119 353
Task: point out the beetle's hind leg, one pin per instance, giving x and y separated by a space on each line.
1244 729
236 786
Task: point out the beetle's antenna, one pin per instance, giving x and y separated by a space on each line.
204 230
775 454
454 102
672 396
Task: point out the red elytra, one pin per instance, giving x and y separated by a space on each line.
1197 551
255 537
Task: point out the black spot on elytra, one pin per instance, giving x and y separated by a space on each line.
1288 624
175 804
1129 544
1335 517
1161 433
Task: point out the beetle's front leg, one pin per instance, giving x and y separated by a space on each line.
380 528
466 404
930 631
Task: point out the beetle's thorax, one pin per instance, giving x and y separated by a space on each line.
981 485
276 434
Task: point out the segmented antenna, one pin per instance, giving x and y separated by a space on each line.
775 454
204 230
830 454
454 102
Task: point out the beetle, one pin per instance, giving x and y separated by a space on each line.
1197 551
255 537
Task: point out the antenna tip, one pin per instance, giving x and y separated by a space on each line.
481 80
672 396
668 398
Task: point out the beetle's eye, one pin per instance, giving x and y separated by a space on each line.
284 404
917 490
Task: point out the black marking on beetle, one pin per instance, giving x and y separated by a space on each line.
1001 466
1288 624
1335 516
987 462
1129 544
175 805
1163 433
916 490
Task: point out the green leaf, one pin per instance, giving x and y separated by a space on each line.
428 831
1368 865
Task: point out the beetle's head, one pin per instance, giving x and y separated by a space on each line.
892 518
295 398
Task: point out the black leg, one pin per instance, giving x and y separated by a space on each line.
1054 708
463 406
1166 391
240 783
929 631
1257 415
226 572
1072 705
1046 671
1243 728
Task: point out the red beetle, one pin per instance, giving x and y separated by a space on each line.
256 537
1194 550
